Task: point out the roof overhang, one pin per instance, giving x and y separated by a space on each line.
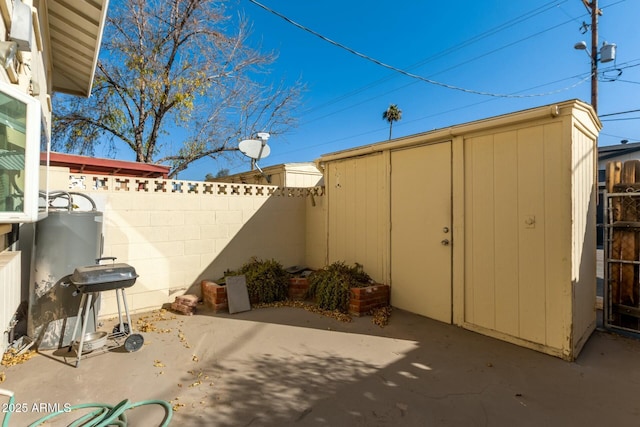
551 110
617 152
75 31
101 166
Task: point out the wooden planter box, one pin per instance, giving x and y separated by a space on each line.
362 301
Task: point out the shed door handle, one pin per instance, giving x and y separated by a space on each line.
445 242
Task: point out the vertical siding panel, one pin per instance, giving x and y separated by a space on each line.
469 230
329 183
355 226
385 215
583 248
484 232
531 236
332 195
459 231
336 211
360 215
557 232
350 218
376 228
9 291
506 233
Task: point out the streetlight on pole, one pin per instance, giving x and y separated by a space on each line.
607 52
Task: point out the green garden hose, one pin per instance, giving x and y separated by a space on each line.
104 415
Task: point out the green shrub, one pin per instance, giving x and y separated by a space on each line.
267 280
330 287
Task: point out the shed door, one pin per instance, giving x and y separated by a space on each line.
421 230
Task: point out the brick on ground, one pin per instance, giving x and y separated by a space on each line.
188 300
182 308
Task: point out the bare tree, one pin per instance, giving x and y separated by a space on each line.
176 82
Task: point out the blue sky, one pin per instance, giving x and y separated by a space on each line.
519 48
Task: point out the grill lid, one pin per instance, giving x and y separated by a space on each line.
99 274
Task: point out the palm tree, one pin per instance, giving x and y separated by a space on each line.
392 114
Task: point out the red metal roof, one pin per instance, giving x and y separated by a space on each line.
101 166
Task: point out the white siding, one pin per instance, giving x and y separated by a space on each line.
9 292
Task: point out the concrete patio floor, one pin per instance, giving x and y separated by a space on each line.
287 366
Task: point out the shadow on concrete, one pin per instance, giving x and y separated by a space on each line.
260 369
431 374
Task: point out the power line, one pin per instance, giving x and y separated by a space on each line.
508 24
619 68
613 4
618 136
619 113
499 28
398 71
620 120
602 8
405 122
483 35
401 71
350 106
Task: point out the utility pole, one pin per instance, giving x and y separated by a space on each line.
593 8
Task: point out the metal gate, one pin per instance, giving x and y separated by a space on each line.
621 257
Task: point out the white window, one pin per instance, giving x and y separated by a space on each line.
20 145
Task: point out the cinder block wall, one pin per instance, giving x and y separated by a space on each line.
177 233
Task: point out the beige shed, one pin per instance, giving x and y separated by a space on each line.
488 225
292 175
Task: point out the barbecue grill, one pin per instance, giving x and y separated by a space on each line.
91 280
99 278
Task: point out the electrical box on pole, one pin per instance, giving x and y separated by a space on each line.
607 52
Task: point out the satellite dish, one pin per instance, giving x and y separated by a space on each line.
254 148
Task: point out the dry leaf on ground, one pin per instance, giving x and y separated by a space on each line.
12 358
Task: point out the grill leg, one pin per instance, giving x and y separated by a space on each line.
118 296
78 319
126 309
85 320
